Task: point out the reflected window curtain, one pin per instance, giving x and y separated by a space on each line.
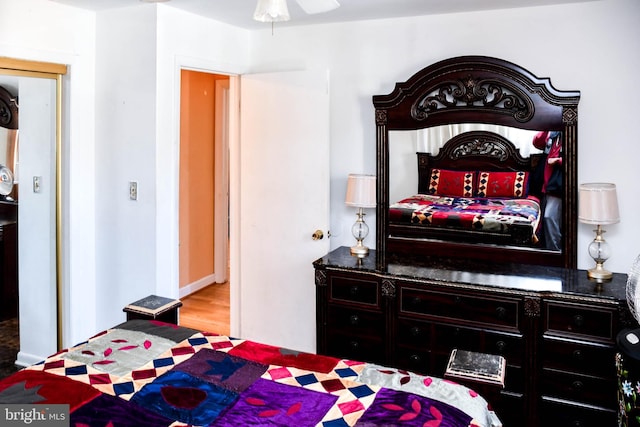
430 140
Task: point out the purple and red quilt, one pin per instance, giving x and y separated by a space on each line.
160 374
494 215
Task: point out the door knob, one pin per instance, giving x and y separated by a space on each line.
317 235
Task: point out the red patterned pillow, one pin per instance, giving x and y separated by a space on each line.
451 183
503 184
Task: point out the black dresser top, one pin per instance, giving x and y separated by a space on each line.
522 277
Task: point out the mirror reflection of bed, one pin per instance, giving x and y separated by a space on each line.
514 218
8 230
494 114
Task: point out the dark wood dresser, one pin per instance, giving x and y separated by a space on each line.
8 260
555 328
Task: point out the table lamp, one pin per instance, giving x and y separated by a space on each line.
361 193
598 204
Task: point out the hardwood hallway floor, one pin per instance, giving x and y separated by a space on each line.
207 309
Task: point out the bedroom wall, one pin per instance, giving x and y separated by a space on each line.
578 45
138 83
41 30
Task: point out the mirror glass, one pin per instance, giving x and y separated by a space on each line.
403 162
9 157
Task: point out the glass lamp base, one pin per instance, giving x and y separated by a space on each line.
359 250
599 273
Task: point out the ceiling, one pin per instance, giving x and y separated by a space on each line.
239 12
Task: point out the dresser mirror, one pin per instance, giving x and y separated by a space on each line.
475 119
8 143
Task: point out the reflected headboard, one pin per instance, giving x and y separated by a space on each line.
476 90
8 110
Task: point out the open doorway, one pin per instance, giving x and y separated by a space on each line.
204 201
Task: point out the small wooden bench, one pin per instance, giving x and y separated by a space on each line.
154 307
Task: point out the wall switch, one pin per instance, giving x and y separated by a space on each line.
36 184
133 190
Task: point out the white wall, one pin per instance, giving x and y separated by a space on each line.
577 45
137 136
41 30
125 151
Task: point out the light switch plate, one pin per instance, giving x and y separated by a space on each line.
133 190
37 181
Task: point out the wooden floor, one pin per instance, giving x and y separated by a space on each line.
207 309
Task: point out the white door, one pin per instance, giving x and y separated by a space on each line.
284 199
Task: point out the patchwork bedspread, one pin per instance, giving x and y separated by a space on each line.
147 373
495 215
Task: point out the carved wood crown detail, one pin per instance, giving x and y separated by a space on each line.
8 110
381 117
481 147
6 115
532 307
487 145
389 288
321 278
469 93
569 115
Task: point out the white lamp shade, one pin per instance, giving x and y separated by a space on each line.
598 203
271 11
361 191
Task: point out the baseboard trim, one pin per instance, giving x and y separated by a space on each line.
197 285
25 359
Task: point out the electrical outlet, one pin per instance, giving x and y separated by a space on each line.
133 190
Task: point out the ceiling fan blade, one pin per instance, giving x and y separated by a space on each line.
318 6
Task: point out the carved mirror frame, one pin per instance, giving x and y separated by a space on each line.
477 89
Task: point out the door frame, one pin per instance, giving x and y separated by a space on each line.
221 181
234 73
53 71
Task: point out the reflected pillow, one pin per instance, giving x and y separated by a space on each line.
452 183
503 184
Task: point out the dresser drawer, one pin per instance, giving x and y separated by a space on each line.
576 356
416 360
361 348
360 322
448 337
558 413
448 305
413 333
579 388
568 318
354 290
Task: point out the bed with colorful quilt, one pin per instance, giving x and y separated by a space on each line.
149 373
476 189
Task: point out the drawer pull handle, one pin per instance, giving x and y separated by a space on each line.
577 355
501 346
457 300
354 320
577 386
415 359
501 313
354 290
416 301
354 345
578 320
416 331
